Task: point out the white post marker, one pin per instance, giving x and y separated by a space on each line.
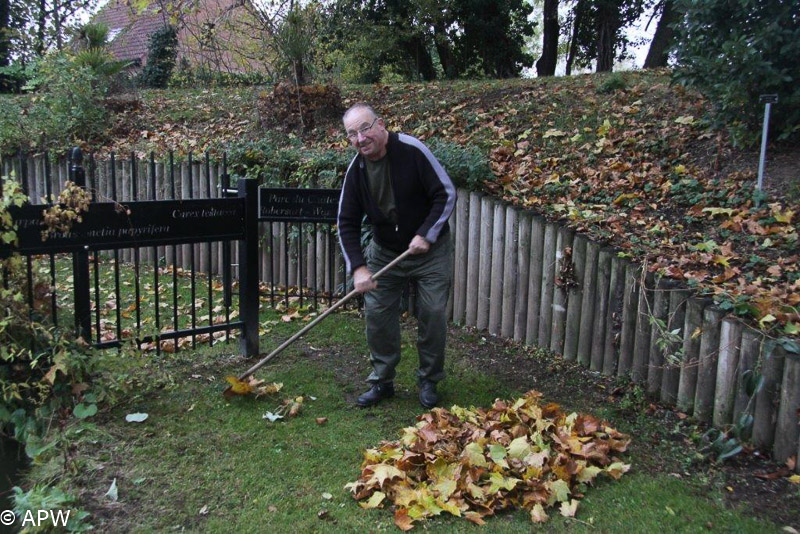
768 100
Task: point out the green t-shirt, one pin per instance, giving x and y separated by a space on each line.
380 187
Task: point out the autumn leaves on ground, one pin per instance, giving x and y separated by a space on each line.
628 158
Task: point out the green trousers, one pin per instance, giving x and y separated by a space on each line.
432 272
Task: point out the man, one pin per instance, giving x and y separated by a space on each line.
407 197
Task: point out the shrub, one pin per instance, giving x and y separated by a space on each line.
467 166
161 55
282 161
67 107
733 52
612 83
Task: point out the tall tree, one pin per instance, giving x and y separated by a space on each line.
546 65
599 31
734 52
493 35
5 49
658 53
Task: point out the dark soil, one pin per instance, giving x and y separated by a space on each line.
664 441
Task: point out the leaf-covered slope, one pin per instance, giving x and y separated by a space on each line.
626 158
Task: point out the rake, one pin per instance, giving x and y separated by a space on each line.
230 390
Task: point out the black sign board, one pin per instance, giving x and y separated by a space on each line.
109 225
298 205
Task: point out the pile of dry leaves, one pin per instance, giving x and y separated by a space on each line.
475 462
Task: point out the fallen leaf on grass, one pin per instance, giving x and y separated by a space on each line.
112 493
136 417
271 416
321 420
203 510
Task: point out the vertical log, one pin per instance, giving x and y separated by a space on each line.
510 274
707 364
616 293
693 327
658 333
460 288
496 278
602 285
473 259
641 341
730 337
677 321
563 255
485 270
630 308
749 356
768 397
523 275
588 304
548 281
535 280
454 223
575 298
787 429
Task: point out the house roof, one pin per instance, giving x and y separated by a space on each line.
130 30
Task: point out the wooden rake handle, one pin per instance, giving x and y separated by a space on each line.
316 321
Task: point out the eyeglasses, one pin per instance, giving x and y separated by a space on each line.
363 131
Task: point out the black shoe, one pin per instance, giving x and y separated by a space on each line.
377 393
427 394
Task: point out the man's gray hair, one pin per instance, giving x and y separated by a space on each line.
359 105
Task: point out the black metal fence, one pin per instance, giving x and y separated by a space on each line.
188 242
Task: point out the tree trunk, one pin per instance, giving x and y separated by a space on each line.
658 53
5 19
41 28
423 63
607 25
580 10
546 66
445 52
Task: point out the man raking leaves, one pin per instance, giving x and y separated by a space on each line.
407 197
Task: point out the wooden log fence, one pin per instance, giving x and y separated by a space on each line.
614 318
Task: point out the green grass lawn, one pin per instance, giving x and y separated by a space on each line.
202 463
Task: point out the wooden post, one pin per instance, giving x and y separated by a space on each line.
616 295
693 327
485 270
707 364
473 259
558 331
496 278
575 298
765 414
677 321
535 280
630 305
510 268
749 356
523 274
453 222
588 304
548 278
730 338
655 371
641 341
601 309
460 286
787 429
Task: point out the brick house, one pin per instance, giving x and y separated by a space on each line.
214 35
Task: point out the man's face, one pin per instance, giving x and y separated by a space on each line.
366 133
